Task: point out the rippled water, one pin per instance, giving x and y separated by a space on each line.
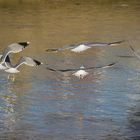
41 104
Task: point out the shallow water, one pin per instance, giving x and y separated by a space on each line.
41 104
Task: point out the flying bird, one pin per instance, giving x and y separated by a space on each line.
82 71
12 48
23 60
84 46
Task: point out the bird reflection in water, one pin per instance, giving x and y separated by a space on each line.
13 104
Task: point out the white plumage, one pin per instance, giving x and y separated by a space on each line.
80 74
12 48
84 46
23 60
80 48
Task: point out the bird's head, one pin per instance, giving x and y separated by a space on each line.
24 44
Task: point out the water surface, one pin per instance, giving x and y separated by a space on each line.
41 104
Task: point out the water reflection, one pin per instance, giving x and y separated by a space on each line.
12 102
134 114
134 123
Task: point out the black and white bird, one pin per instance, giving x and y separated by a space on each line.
82 71
23 60
84 46
12 48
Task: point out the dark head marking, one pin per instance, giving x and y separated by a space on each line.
24 44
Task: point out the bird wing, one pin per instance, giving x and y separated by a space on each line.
62 70
27 61
14 48
61 49
75 69
18 45
31 62
102 44
89 44
52 50
92 44
105 66
116 43
72 46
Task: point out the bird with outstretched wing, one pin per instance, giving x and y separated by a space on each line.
80 72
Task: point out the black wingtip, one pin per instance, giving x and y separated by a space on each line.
24 44
38 62
51 50
111 64
117 42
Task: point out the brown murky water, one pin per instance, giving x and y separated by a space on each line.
45 105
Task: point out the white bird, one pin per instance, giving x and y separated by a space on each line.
84 46
23 60
80 72
12 48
